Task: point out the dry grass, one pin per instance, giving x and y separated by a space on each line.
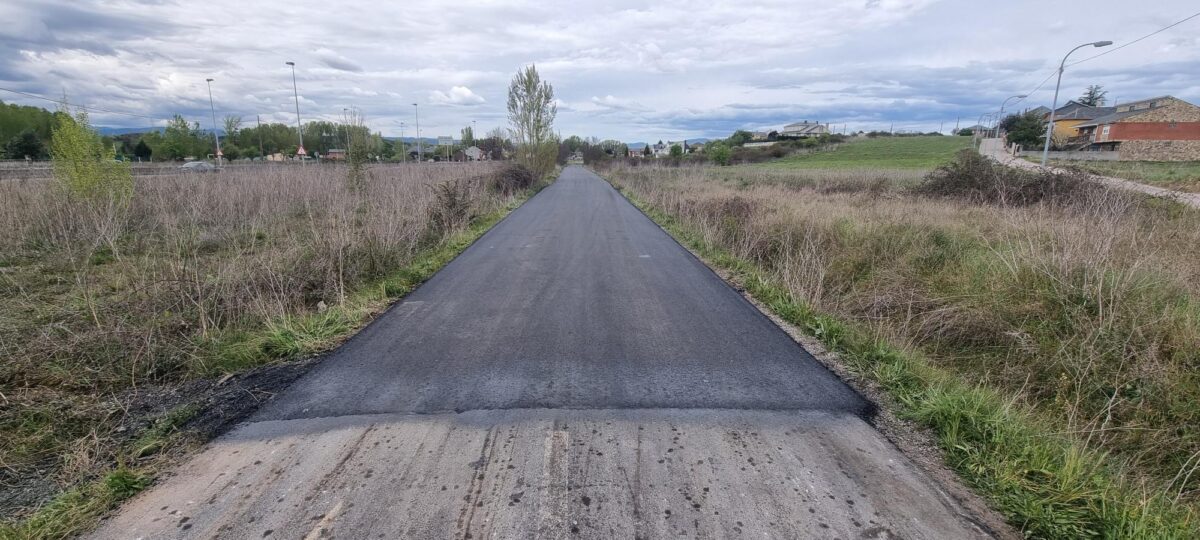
194 276
1086 308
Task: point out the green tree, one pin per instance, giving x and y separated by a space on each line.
574 143
740 137
25 145
719 153
15 119
468 137
1094 96
142 150
1027 130
83 165
531 111
180 140
646 152
676 151
358 147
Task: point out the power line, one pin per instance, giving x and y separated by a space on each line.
1110 51
1165 28
66 104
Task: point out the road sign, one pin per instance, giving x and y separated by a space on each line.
445 141
301 152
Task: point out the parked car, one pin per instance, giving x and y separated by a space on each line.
197 167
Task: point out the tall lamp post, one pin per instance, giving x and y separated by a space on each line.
213 109
1002 105
980 131
403 149
420 153
1061 66
299 128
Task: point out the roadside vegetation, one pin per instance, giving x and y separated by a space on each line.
1176 175
1044 328
117 289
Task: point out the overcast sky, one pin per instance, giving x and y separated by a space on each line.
633 71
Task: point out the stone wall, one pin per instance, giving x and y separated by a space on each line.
1176 110
1075 156
1160 151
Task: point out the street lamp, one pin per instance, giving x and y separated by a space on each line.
299 128
1002 105
417 114
979 131
1061 66
213 109
403 148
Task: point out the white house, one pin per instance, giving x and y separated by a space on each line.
804 129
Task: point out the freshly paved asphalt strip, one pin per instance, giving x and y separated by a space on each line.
574 373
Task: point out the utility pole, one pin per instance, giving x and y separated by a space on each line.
213 109
417 114
258 120
299 127
1061 66
403 147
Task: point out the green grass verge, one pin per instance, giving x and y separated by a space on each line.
1177 175
1046 484
880 153
78 509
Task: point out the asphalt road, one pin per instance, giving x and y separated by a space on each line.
573 373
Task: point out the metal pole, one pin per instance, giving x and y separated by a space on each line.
403 148
1061 66
213 109
258 120
417 114
299 126
996 133
977 135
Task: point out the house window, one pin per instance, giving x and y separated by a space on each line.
1104 134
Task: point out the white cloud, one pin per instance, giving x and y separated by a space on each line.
458 95
610 102
625 69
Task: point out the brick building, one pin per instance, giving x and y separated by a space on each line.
1158 129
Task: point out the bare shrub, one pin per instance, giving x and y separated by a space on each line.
452 207
511 178
980 180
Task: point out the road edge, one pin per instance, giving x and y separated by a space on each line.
913 441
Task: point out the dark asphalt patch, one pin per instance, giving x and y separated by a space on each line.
576 300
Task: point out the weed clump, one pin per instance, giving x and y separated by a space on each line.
979 180
511 179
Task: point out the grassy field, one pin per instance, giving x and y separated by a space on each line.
1051 347
1177 175
113 303
924 153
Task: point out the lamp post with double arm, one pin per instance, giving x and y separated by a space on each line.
1061 66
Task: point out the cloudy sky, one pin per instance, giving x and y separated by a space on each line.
627 70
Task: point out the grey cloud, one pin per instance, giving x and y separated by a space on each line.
626 69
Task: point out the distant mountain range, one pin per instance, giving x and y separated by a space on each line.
126 131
